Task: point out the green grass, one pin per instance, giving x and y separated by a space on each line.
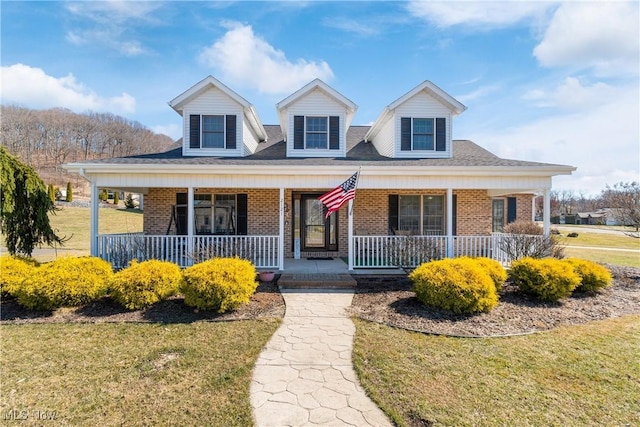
585 238
132 374
584 375
629 259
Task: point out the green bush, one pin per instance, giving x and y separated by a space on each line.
52 193
69 197
64 282
549 279
593 277
143 284
13 271
129 203
493 268
116 198
220 284
458 285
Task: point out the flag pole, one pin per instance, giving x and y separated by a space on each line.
355 190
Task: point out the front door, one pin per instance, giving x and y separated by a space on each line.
317 233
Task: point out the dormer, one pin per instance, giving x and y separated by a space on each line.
416 125
217 121
314 121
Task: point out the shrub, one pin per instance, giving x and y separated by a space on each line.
13 271
493 268
143 284
64 282
103 196
525 239
116 198
593 276
549 279
458 285
572 235
52 193
69 197
220 284
129 203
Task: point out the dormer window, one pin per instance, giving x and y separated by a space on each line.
212 131
316 132
423 134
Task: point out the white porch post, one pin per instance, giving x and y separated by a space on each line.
350 236
449 223
546 212
190 222
95 206
281 234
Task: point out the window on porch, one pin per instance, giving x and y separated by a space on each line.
220 214
417 215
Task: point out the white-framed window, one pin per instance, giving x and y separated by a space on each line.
316 132
215 213
422 135
213 131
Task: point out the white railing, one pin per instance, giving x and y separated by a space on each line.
120 249
411 251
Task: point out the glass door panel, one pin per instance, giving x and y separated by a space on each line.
314 224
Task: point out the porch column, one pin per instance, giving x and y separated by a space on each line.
95 206
281 233
449 223
546 212
190 223
350 236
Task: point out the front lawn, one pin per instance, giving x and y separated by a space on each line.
583 375
131 374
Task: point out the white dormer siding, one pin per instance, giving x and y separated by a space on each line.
422 106
315 104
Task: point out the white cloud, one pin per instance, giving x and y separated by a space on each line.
110 24
602 141
571 94
479 93
352 26
32 87
602 35
243 58
483 15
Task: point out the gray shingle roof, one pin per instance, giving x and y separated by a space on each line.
273 152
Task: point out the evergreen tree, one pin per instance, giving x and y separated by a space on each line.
129 203
69 197
116 197
24 207
51 191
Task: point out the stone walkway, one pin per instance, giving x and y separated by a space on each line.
304 375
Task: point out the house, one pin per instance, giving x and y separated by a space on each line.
238 187
605 216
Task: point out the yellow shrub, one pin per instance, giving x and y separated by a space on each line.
64 282
493 268
13 270
549 279
143 284
593 276
220 284
459 285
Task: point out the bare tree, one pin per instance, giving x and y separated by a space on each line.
624 201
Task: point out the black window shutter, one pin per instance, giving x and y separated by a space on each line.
441 134
242 215
231 132
194 131
298 132
334 132
393 213
512 202
455 215
181 213
405 134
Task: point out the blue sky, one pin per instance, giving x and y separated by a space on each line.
554 82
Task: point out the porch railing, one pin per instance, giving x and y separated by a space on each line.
411 251
120 249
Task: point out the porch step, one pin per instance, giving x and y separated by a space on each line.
316 281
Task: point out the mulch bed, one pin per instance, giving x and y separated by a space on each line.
266 302
390 301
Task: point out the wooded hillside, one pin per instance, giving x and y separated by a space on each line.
45 139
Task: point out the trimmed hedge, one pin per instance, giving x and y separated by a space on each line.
493 268
143 284
593 276
64 282
458 285
13 271
220 284
548 279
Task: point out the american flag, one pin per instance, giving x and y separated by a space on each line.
337 197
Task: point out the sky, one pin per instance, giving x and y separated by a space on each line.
553 82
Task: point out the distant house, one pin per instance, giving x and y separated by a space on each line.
237 186
606 216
